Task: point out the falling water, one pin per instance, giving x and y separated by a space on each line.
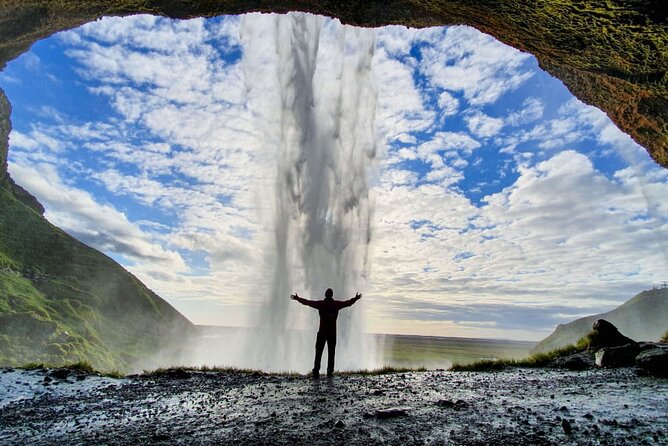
317 116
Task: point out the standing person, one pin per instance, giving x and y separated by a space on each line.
328 308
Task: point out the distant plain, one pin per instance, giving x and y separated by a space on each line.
411 351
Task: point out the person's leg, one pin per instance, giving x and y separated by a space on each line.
319 347
331 348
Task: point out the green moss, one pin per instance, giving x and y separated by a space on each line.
33 366
664 338
80 366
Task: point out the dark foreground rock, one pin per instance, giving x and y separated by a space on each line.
654 362
622 356
512 407
576 361
392 412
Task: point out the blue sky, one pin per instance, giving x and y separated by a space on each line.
502 205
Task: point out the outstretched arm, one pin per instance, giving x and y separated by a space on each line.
352 300
301 300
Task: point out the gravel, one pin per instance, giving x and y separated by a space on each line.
515 406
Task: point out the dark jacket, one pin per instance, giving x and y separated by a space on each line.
328 309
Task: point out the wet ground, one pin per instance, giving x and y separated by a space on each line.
542 407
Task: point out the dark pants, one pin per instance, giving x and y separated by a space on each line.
330 339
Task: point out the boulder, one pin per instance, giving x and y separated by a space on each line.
646 345
448 404
62 373
623 356
177 374
566 426
653 362
577 361
605 334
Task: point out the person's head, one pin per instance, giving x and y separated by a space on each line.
329 293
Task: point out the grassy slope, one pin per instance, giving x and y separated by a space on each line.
643 318
62 301
534 360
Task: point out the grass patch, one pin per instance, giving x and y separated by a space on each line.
365 372
81 366
33 366
382 371
664 338
218 369
534 361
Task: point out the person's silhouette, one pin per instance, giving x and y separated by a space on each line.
328 308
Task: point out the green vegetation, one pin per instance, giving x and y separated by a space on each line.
62 302
170 370
383 371
664 338
533 361
81 366
365 372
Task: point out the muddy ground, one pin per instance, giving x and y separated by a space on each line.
542 407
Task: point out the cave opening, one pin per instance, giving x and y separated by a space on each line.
501 204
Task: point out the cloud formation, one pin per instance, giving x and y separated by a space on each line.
500 210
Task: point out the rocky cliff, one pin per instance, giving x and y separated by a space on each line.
612 54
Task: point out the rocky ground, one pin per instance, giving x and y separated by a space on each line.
515 406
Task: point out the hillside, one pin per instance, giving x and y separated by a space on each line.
643 318
62 301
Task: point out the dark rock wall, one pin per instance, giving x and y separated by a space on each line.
610 53
5 128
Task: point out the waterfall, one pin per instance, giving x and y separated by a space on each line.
316 112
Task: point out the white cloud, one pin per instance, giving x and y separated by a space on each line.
548 239
401 110
448 104
395 40
20 141
444 141
186 145
37 139
464 60
483 126
532 110
102 226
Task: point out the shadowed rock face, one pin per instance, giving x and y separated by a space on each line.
605 334
612 54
